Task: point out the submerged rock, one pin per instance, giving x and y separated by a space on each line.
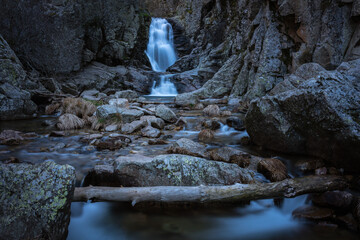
35 200
171 170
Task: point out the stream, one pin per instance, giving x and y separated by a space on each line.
263 219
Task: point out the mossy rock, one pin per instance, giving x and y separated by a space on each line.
35 200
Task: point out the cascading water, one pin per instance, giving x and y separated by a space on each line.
164 88
160 49
161 53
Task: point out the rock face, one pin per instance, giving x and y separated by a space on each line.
61 36
35 200
318 117
171 170
100 76
244 48
15 103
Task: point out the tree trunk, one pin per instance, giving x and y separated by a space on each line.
205 194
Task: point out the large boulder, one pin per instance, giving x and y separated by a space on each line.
168 170
15 103
35 200
320 117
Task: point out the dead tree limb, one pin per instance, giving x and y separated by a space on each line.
204 194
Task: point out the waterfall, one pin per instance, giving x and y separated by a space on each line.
160 49
161 53
165 88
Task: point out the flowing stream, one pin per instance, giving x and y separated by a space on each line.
262 219
161 53
164 88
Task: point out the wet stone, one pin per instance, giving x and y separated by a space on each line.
10 137
236 123
206 135
273 169
212 124
333 199
313 213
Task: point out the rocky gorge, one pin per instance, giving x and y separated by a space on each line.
262 94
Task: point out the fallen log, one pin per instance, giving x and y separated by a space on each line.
206 194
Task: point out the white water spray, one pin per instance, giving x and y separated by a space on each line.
164 88
161 53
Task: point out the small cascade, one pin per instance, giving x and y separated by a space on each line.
164 88
226 130
161 53
160 49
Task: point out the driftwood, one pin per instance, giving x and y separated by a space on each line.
208 194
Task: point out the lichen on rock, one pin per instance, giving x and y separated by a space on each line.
35 200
